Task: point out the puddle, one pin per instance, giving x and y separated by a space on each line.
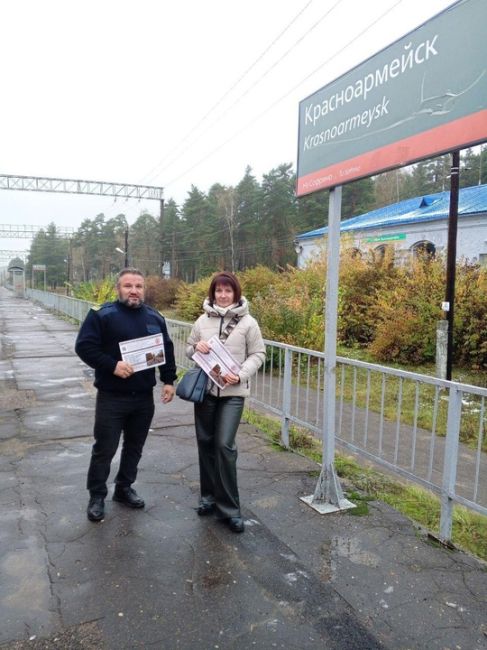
343 547
350 549
14 447
216 577
16 399
68 454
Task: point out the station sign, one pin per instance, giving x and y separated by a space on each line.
422 96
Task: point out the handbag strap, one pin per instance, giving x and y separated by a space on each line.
228 329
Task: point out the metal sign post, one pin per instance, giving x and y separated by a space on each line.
451 258
328 495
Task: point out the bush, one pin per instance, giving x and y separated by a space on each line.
291 311
360 281
190 297
470 316
390 311
160 293
407 313
96 292
257 281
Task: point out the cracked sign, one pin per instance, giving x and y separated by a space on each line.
424 95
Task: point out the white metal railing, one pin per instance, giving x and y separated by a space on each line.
407 422
72 307
427 430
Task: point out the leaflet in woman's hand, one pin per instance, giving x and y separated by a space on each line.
218 362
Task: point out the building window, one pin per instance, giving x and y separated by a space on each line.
353 252
384 252
423 249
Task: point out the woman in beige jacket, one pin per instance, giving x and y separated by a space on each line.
226 314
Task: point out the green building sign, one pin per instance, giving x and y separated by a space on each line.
379 238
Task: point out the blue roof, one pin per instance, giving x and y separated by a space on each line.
471 200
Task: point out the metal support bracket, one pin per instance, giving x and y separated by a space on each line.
328 495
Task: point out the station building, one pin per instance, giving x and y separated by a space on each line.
410 226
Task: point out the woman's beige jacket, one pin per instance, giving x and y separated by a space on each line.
244 342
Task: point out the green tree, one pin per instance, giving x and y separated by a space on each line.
94 247
473 167
279 210
197 240
358 198
482 165
144 244
225 219
170 232
439 170
313 211
249 211
16 261
419 180
390 187
48 248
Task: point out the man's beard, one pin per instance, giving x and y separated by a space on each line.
129 302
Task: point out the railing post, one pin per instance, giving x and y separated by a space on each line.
450 463
286 397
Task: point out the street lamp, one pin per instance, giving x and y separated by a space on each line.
119 250
126 251
68 274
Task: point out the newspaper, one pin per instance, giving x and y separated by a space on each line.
217 363
145 352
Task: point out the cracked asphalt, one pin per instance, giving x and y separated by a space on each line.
166 579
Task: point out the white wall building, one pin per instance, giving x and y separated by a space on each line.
411 225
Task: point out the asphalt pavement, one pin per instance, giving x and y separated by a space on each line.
166 579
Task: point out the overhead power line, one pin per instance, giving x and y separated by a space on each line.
251 87
280 99
185 138
221 250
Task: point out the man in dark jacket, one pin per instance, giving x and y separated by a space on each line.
125 398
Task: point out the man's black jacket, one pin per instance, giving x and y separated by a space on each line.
102 331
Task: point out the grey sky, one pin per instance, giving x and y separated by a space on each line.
168 93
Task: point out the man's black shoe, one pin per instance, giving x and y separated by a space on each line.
205 509
128 496
235 524
96 509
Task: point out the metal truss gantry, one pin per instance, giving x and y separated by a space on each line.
8 254
9 231
72 186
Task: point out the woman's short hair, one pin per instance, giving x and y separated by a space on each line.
225 277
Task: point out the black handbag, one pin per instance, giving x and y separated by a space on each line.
192 386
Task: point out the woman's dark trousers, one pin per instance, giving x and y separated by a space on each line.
117 412
216 422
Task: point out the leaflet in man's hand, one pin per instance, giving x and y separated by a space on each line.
217 363
145 352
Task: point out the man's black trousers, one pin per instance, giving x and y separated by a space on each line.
117 412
